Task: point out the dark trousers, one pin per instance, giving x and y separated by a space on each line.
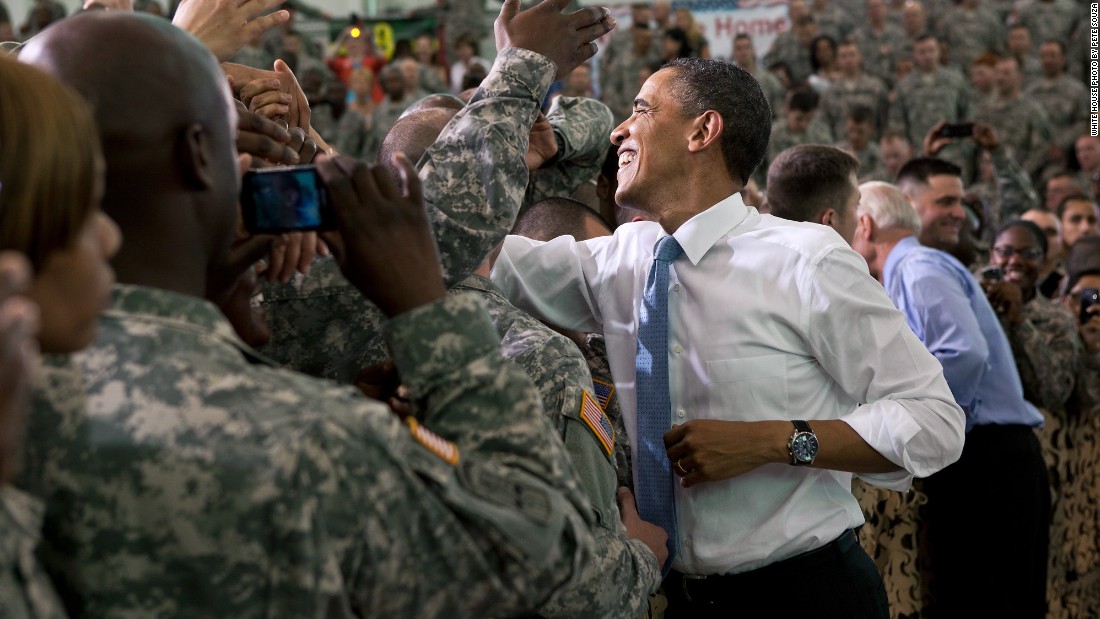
987 528
836 581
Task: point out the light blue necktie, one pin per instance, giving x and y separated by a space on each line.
656 502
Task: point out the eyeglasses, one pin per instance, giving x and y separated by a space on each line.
1005 252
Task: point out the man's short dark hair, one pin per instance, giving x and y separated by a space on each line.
1073 197
742 35
803 99
918 171
861 114
705 84
805 180
553 217
924 37
1061 44
1082 259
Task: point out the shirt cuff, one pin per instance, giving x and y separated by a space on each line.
433 340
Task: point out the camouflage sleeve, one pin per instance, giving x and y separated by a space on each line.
475 174
1040 136
582 127
323 326
624 572
496 521
25 590
1045 347
1013 185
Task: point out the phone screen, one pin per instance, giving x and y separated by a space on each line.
957 130
285 200
1089 297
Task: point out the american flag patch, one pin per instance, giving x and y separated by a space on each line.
434 443
604 392
593 417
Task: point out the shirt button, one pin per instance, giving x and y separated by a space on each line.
687 543
676 287
680 413
677 349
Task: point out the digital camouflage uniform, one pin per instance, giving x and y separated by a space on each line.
969 34
186 477
844 94
1022 126
474 179
625 571
871 165
1009 194
880 50
1066 104
832 21
1046 348
923 99
1051 20
595 353
385 115
786 49
773 89
349 134
781 139
25 590
620 68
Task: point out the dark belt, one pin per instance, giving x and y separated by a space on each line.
708 589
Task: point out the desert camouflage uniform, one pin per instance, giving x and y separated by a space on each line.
25 590
786 49
880 50
595 353
1022 126
1066 103
969 34
474 181
844 94
1046 348
186 477
624 572
923 99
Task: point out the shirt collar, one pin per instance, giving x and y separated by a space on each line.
899 251
698 234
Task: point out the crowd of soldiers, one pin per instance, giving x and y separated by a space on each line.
197 457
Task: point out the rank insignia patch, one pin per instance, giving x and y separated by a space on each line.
594 417
434 443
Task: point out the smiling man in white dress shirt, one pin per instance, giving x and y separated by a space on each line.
772 325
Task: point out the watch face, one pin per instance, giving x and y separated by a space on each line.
804 447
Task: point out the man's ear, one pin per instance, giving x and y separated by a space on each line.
705 131
193 156
866 228
827 217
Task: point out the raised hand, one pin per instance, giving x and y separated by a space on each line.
566 39
225 26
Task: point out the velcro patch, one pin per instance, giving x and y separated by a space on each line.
604 391
593 417
434 443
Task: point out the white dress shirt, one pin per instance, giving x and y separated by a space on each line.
768 319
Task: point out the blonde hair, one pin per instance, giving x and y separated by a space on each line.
49 162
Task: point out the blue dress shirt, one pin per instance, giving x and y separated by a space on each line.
948 310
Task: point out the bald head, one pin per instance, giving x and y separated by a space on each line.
166 121
413 134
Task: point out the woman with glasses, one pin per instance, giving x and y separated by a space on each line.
1047 350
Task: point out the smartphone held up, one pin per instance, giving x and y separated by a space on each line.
289 199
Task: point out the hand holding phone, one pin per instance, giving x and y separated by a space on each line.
1089 298
290 199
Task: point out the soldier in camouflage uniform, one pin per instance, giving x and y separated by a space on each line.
744 56
880 42
792 48
970 30
1051 20
1021 123
858 142
25 590
206 483
852 88
322 326
625 569
1063 97
799 126
831 19
629 51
